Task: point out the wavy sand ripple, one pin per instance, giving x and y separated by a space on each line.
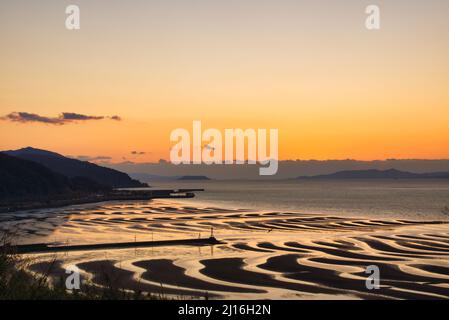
265 255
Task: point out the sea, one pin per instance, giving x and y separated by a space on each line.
406 199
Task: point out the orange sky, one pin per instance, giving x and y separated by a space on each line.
333 89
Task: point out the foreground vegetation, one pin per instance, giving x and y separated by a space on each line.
18 283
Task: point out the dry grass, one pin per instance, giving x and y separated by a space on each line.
18 283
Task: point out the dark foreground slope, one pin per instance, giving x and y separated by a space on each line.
23 179
76 168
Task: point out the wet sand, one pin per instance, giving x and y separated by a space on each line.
265 255
165 271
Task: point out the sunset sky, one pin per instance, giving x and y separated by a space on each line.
308 68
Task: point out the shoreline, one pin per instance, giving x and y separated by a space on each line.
116 195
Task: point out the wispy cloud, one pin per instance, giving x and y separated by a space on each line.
63 118
30 117
138 153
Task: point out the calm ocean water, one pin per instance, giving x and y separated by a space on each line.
409 199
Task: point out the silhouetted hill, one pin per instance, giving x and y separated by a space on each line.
75 168
378 174
288 169
193 178
23 179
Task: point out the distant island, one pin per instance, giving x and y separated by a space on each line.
152 177
147 177
194 178
377 174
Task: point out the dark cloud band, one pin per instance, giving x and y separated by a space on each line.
63 118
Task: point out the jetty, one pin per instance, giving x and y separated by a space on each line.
49 248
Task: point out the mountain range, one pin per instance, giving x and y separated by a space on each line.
30 172
288 169
378 174
188 178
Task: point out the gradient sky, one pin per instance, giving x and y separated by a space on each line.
307 67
